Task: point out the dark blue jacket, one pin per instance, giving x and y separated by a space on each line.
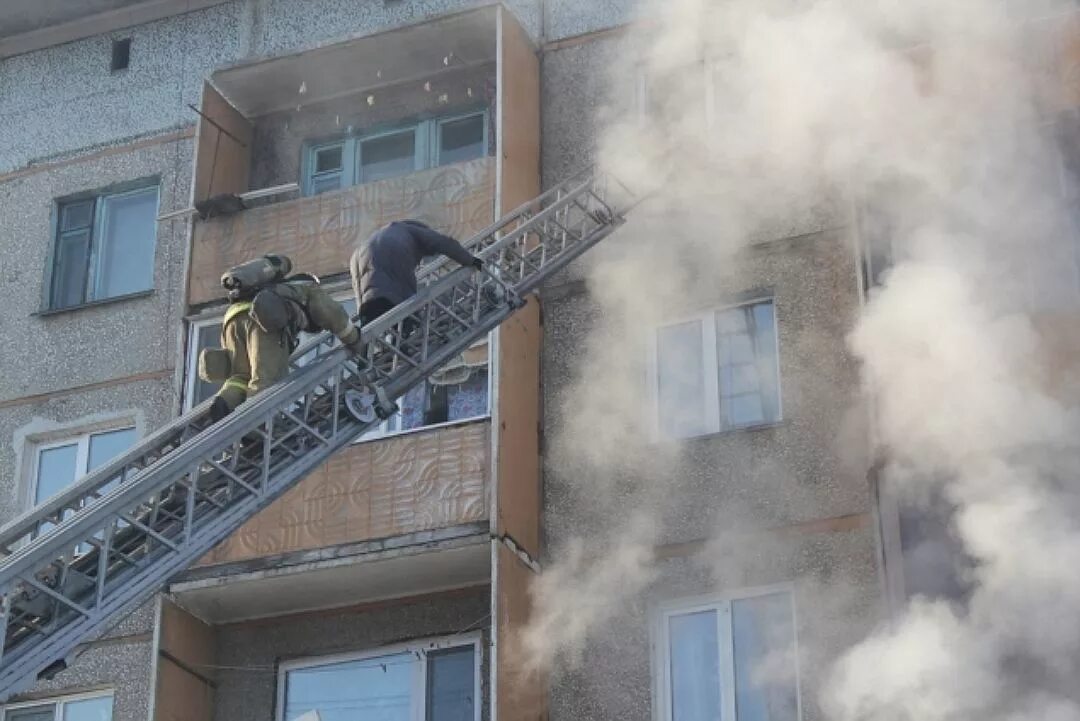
385 266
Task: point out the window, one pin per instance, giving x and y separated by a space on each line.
378 156
458 394
97 707
728 660
716 372
201 334
387 156
58 465
432 682
327 167
104 247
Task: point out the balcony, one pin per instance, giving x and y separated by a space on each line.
320 231
412 513
398 124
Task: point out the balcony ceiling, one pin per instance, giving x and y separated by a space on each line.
409 54
292 588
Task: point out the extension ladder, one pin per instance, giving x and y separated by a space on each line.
81 561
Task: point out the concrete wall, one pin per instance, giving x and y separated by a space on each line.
797 474
64 99
566 18
835 601
249 653
43 91
81 346
62 369
120 660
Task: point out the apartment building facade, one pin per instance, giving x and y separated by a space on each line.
394 580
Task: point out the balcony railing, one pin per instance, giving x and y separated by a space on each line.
419 482
320 232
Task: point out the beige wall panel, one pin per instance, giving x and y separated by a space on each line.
521 692
519 499
414 482
320 232
222 160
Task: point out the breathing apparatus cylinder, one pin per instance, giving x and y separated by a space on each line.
244 280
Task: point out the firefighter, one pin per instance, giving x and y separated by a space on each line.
262 328
383 269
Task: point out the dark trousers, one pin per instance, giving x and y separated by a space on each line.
372 309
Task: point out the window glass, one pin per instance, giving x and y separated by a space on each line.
328 169
735 661
106 446
56 470
31 713
72 260
451 684
746 354
60 466
695 667
126 248
374 689
97 708
104 248
763 634
387 156
681 379
89 709
75 216
328 159
461 140
205 336
741 344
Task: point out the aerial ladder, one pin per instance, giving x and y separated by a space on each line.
73 566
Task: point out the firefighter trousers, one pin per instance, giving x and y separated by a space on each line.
259 359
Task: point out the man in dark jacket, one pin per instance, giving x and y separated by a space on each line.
384 268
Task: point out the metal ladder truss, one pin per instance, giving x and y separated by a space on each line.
76 564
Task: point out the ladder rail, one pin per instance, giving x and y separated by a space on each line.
207 480
86 490
127 467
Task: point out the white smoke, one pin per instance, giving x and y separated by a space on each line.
771 118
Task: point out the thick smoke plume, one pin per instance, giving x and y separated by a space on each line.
926 130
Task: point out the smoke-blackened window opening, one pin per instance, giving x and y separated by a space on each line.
935 563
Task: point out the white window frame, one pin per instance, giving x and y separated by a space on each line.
385 429
195 325
419 686
426 150
79 435
721 604
58 702
711 396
